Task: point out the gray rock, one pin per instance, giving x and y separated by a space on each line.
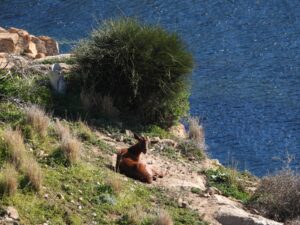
12 213
230 215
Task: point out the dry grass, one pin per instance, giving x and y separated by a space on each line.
163 219
115 183
71 149
69 144
196 132
9 183
38 119
85 131
15 145
91 101
107 107
21 159
293 222
87 100
33 172
135 215
62 131
278 196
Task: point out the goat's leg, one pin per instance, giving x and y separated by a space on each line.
144 174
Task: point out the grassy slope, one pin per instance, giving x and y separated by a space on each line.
88 193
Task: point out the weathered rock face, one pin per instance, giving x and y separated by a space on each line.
178 131
230 215
20 42
8 42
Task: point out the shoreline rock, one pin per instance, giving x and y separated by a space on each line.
20 42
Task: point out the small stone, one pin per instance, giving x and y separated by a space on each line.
129 133
180 201
191 158
79 207
152 198
121 138
12 213
150 162
184 205
46 196
94 214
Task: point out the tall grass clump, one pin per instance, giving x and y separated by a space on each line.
24 162
61 130
278 196
33 172
15 146
9 181
143 69
196 132
163 219
70 146
71 149
38 119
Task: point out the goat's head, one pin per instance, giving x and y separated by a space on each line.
143 143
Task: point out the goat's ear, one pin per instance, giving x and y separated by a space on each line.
136 136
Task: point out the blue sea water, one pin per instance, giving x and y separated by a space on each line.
246 84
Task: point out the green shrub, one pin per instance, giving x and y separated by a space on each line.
229 181
142 68
190 149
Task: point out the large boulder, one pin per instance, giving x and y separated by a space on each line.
8 42
232 215
20 42
51 45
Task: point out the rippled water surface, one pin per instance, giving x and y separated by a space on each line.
246 86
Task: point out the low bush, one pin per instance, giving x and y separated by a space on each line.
191 149
142 68
278 196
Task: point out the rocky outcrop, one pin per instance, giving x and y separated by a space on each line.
20 42
231 215
178 131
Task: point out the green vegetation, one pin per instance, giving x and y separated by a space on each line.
86 192
230 182
67 60
141 68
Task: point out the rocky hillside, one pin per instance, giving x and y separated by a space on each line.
74 152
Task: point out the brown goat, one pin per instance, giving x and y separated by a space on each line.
128 162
